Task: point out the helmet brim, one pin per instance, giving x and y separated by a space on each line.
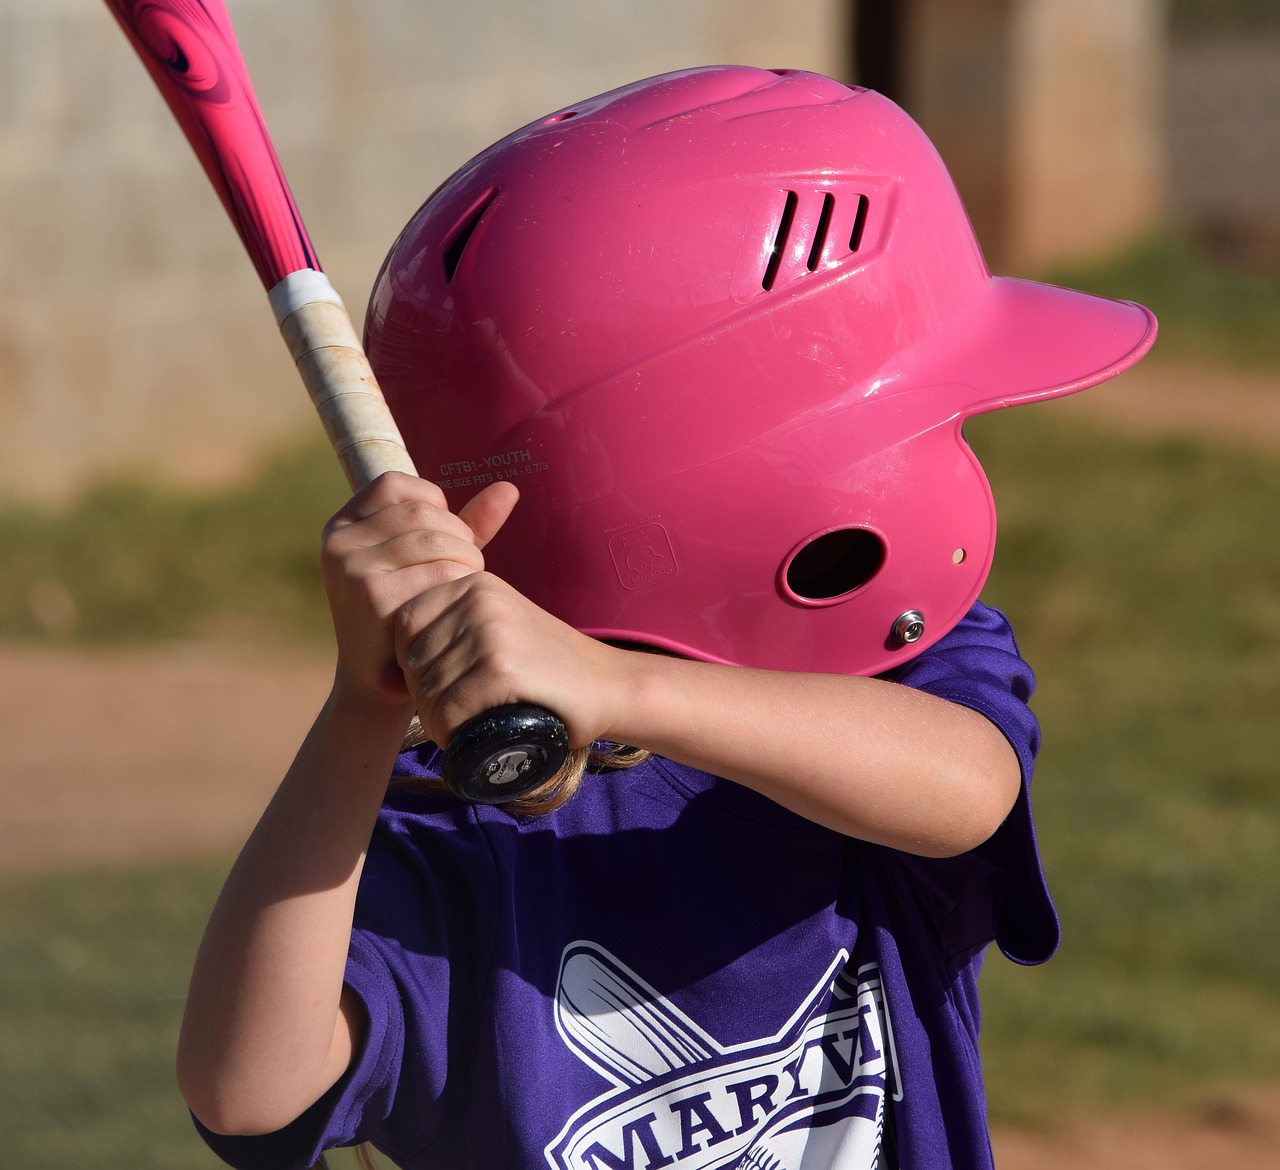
1026 342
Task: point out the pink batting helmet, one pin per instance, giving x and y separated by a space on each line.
722 327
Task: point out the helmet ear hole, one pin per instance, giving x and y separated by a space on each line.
834 564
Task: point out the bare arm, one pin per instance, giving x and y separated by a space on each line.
263 1035
268 1028
870 758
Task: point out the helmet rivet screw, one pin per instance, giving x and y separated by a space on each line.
909 627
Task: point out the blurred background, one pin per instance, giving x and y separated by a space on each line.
163 638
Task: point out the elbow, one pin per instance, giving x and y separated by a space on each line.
197 1086
247 1093
986 805
962 838
225 1107
229 1120
214 1109
204 1087
203 1099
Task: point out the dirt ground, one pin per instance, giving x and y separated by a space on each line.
138 754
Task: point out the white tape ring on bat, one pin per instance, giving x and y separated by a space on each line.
301 288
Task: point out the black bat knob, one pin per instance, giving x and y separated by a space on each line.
504 753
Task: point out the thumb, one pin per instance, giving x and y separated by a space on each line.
486 512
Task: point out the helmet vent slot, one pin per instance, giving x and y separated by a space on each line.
780 240
834 564
462 235
824 225
859 224
803 240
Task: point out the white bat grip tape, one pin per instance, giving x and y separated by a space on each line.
298 289
343 389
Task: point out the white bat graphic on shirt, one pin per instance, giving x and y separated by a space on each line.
626 1031
623 1028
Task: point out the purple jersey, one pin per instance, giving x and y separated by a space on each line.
673 971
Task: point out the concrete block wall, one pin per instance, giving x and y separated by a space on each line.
1049 114
134 335
1223 126
1087 151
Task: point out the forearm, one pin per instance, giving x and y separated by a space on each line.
263 1035
869 758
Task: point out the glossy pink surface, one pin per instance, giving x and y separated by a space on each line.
190 50
702 321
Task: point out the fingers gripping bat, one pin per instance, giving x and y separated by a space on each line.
190 49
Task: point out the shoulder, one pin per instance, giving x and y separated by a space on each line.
978 665
982 644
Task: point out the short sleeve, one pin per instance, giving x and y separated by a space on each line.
978 665
335 1119
417 964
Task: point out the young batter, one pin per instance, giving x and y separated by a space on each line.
689 362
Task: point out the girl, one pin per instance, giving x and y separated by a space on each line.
717 332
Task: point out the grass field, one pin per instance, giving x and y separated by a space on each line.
93 967
1143 582
1142 577
133 562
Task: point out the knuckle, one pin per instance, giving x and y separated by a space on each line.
397 482
383 489
491 601
497 653
500 670
425 518
450 713
435 544
330 556
483 590
405 626
339 567
333 535
420 515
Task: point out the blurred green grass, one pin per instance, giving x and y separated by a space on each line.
93 971
1143 584
93 968
1141 577
136 562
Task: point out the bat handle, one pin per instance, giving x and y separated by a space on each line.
498 755
504 753
318 331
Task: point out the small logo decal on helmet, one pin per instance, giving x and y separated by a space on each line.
643 556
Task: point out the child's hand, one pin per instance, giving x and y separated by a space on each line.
419 623
475 642
395 539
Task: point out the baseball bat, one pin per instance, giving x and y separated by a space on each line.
615 1024
190 49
